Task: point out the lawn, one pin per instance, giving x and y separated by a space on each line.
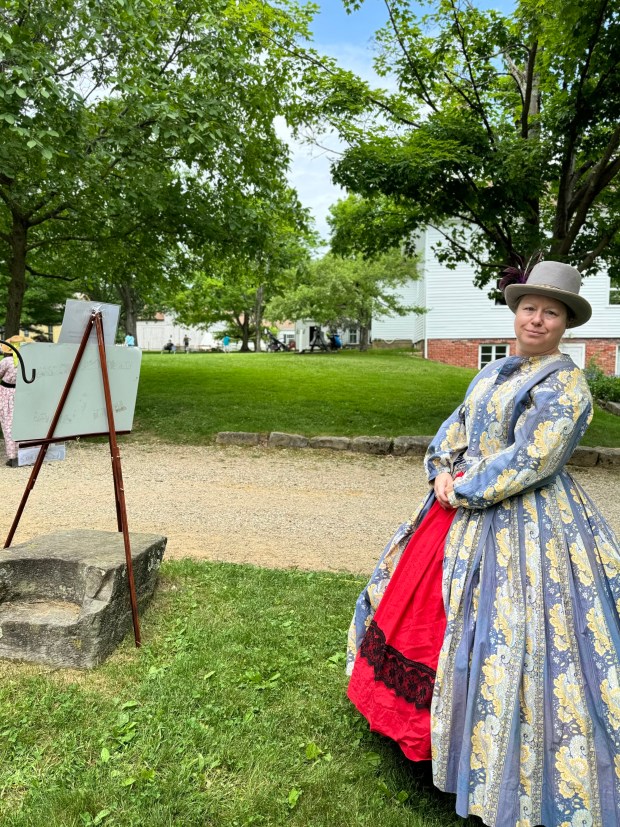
232 713
187 398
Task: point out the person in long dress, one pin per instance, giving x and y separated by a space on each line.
519 699
8 374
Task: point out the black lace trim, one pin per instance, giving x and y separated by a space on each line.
406 678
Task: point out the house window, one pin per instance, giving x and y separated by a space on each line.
614 293
353 336
489 353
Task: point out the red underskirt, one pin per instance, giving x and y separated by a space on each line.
393 691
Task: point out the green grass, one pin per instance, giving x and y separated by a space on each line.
232 713
187 398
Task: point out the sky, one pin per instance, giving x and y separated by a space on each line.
348 38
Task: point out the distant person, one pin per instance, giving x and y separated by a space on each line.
8 374
186 343
291 344
169 347
129 340
226 344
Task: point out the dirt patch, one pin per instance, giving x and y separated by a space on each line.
309 509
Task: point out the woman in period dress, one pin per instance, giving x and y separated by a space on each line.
500 600
8 375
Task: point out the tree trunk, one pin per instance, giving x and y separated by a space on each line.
245 334
258 318
364 336
131 307
17 274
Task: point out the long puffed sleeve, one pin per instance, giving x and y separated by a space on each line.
448 445
546 433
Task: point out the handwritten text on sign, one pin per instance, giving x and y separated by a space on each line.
84 411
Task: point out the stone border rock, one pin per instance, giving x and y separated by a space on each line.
400 446
611 407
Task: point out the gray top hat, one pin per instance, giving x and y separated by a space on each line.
556 280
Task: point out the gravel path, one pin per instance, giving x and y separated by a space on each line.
276 508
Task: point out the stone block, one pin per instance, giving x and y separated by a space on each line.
371 445
608 457
237 438
277 439
612 407
410 446
64 597
335 443
584 457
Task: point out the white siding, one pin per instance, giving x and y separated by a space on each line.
153 335
456 309
410 326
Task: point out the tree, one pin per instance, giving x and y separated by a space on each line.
96 99
234 288
503 132
347 292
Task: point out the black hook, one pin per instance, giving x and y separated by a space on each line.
21 364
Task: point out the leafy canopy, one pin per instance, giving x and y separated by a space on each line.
151 119
503 131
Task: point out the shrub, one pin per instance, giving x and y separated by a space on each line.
603 387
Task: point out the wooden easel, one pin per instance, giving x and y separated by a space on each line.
96 321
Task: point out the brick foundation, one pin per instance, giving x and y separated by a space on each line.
464 352
603 351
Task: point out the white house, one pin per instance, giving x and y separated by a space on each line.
153 334
463 326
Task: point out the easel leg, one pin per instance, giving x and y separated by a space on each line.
55 419
117 474
30 485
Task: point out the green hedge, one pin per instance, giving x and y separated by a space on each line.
603 387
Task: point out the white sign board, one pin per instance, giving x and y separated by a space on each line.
28 456
75 319
84 412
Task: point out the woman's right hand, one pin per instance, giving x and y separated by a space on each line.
444 485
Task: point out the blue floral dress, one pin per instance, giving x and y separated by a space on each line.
525 718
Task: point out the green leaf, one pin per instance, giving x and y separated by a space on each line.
105 755
293 797
373 759
313 752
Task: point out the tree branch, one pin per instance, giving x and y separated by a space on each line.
425 93
480 107
34 272
467 251
529 90
598 178
40 204
45 242
606 239
49 214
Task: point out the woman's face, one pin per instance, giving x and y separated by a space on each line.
540 323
